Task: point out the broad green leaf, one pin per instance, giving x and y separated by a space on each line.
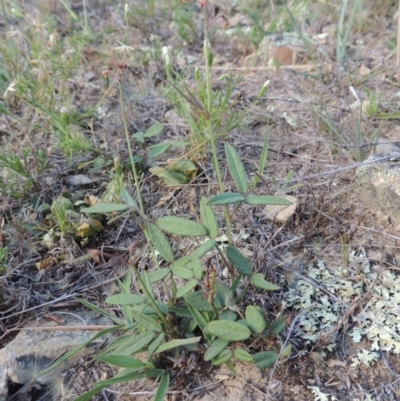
169 176
154 130
160 242
198 301
226 198
243 355
122 361
180 143
104 208
177 343
205 247
223 357
158 275
125 299
215 349
186 288
239 261
182 262
162 387
208 218
182 272
157 150
255 319
265 359
154 345
236 169
138 342
228 315
195 264
181 312
259 281
146 321
181 227
266 200
278 325
184 166
230 331
138 136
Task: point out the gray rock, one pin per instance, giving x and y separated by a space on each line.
33 350
378 186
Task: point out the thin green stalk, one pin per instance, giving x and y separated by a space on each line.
137 185
210 129
128 143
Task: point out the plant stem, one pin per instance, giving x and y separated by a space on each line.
137 184
210 129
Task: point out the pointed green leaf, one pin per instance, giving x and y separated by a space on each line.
127 198
157 150
266 200
223 357
278 325
199 318
286 351
186 288
154 130
183 272
208 218
146 321
259 281
181 227
158 275
239 261
243 355
230 331
148 290
255 319
162 387
226 198
215 349
122 361
138 342
154 345
104 208
160 242
89 394
205 247
132 376
265 359
177 343
124 299
197 269
236 169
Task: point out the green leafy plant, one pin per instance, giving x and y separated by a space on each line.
198 310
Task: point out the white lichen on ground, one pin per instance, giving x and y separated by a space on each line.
378 320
